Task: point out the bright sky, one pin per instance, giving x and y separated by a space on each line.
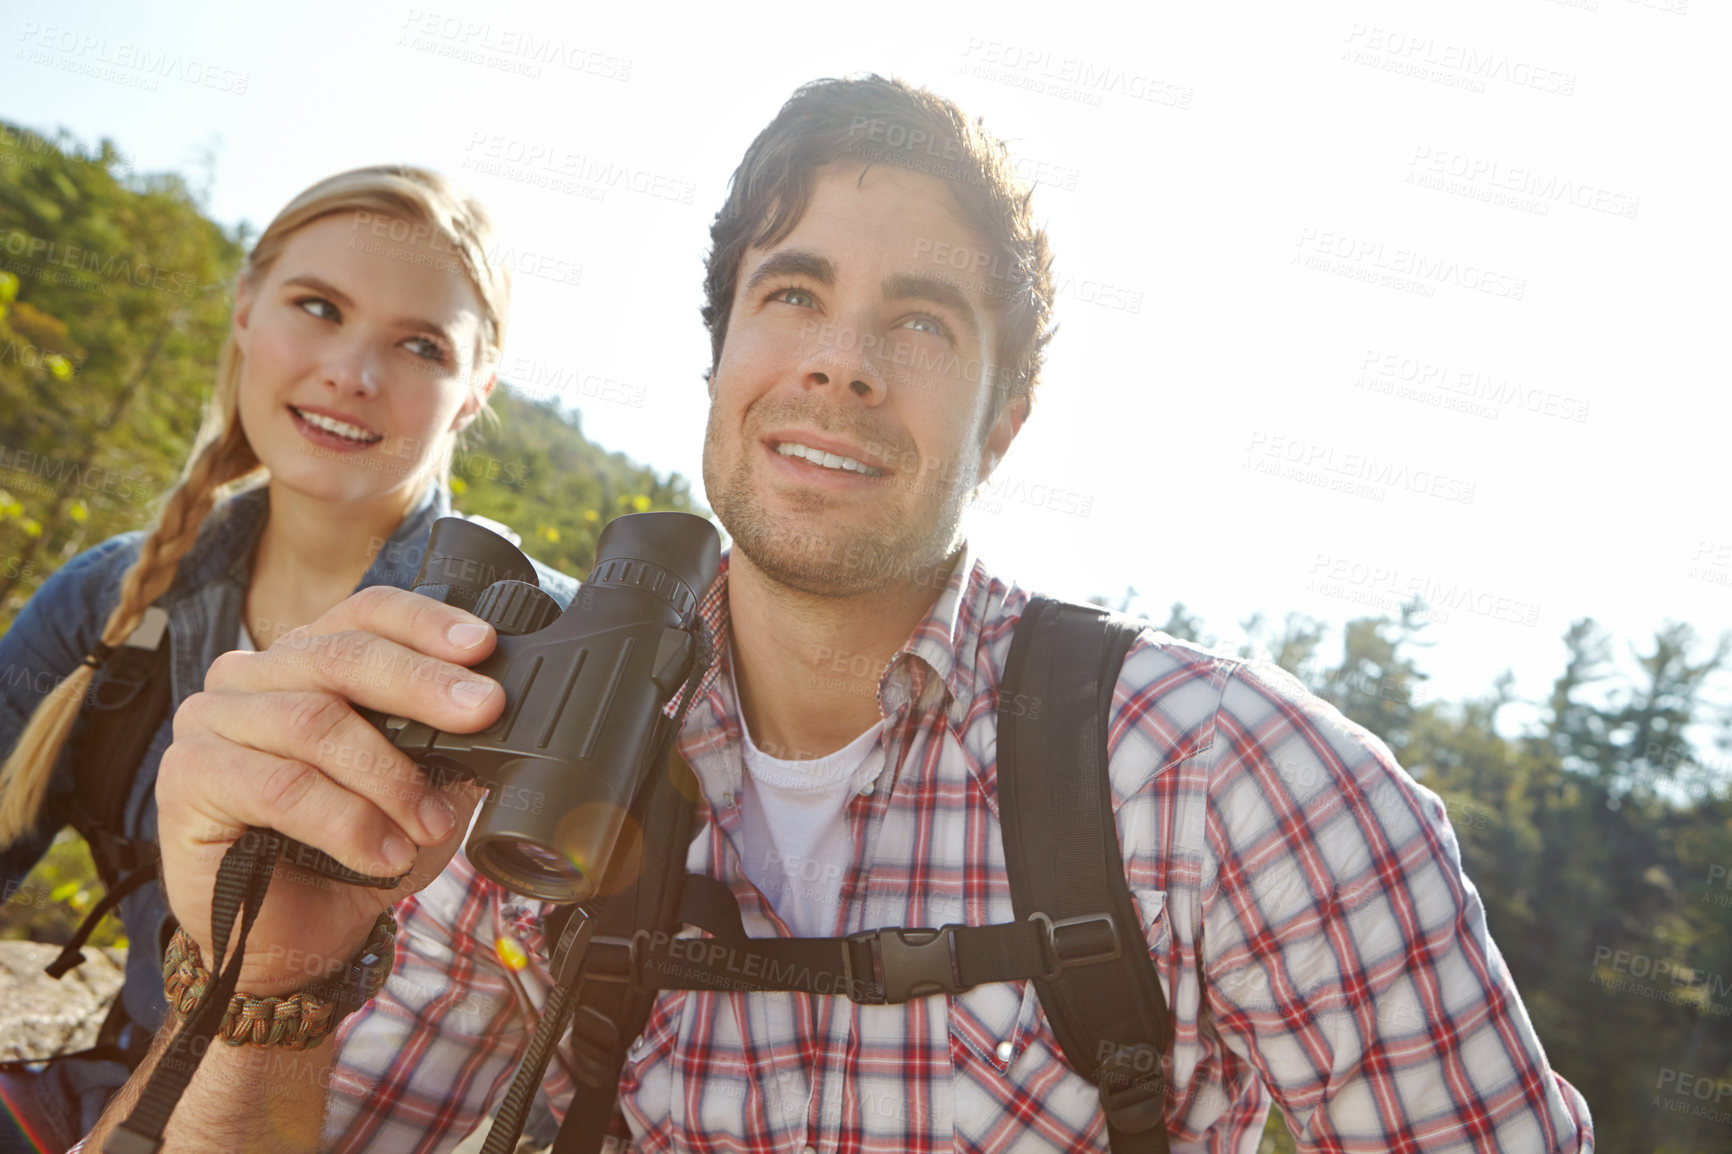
1355 298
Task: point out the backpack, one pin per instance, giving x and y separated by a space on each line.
129 699
1077 937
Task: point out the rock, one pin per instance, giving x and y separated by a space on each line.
40 1016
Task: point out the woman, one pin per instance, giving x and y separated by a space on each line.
366 329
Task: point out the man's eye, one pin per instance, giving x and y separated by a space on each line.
924 324
320 307
795 296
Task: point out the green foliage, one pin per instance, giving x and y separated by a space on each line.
534 471
115 298
49 905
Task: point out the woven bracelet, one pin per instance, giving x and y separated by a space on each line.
297 1022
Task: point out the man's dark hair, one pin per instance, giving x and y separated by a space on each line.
882 121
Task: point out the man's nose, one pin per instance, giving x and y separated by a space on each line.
846 355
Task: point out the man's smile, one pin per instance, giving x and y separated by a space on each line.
826 454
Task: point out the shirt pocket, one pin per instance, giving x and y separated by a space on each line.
1006 1063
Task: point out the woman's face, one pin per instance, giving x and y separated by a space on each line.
359 358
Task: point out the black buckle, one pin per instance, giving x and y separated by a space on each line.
617 960
1056 959
906 964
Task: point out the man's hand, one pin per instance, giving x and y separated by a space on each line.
273 741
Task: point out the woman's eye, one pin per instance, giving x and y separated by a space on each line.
795 296
425 349
320 307
924 324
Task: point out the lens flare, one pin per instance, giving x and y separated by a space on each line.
511 952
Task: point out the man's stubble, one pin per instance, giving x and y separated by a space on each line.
815 554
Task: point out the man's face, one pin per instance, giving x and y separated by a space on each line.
848 342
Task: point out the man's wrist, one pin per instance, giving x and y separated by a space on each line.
295 1014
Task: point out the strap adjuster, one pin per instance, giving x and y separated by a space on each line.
905 964
1058 958
617 959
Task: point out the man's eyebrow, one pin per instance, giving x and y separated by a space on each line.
793 262
343 299
916 286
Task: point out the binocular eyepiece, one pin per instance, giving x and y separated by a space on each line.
585 688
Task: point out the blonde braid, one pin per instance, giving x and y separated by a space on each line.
24 780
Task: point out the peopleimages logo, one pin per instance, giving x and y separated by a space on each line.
1067 77
48 253
550 164
138 65
1513 185
1460 65
1460 389
1366 258
504 47
1361 474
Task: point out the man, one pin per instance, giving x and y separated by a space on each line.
1302 898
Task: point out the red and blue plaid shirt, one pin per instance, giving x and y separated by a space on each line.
1301 895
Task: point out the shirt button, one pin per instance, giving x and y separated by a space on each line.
1005 1050
810 1150
866 790
637 1046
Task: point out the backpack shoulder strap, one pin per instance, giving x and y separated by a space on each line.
128 700
1062 856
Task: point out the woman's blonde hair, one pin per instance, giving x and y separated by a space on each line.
223 459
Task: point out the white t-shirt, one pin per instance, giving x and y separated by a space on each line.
794 837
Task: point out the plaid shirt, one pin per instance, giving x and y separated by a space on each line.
1301 895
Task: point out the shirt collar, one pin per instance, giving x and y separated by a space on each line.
934 663
225 543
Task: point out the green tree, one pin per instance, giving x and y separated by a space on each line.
123 281
1376 683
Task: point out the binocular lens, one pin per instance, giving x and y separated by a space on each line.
531 869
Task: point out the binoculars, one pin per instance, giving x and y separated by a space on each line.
586 691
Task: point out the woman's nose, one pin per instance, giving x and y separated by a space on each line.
353 371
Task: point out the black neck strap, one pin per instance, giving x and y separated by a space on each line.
242 880
241 883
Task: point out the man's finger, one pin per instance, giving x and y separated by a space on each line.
369 670
231 787
410 619
323 730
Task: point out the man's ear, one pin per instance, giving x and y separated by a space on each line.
999 437
473 402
